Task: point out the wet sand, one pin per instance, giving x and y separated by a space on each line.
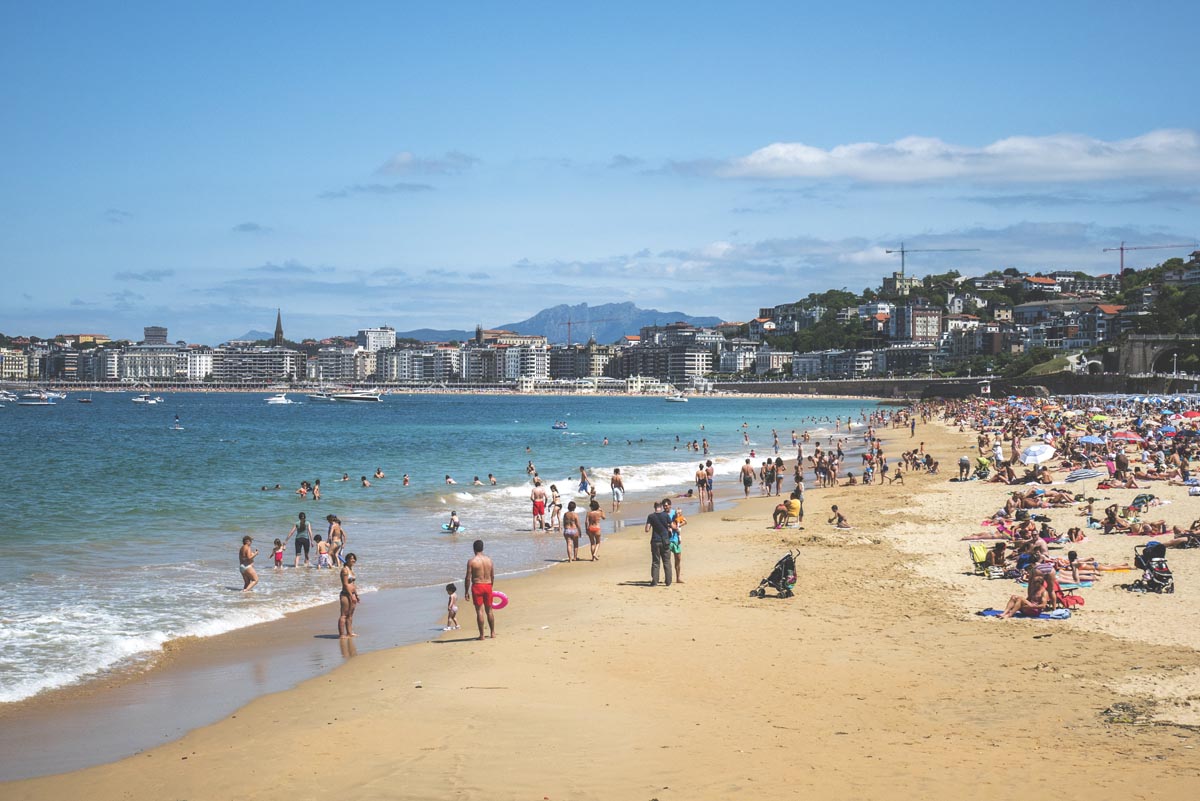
876 681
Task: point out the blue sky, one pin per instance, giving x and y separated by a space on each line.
442 164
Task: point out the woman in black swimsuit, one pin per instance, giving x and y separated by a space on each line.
347 598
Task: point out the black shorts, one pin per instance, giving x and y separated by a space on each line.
302 544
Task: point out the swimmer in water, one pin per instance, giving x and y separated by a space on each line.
406 479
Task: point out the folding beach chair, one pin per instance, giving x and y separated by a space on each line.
979 552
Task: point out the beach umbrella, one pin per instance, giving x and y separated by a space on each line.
1128 436
1085 474
1095 409
1099 417
1091 439
1191 414
1036 454
1168 431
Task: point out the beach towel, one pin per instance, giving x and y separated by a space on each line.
1067 585
1057 614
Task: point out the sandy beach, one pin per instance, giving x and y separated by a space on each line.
878 680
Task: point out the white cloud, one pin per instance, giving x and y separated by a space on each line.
1167 153
406 163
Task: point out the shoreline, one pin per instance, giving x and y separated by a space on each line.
149 700
887 654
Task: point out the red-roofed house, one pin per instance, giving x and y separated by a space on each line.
1041 282
1101 323
760 327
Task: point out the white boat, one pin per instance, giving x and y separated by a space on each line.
147 399
280 399
321 396
366 395
675 399
37 398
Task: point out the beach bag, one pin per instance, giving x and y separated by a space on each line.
1193 490
1072 601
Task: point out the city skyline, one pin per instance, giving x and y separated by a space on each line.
435 167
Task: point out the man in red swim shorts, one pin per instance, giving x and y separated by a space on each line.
480 575
538 496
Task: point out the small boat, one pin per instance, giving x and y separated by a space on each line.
280 399
675 399
143 399
84 400
37 398
561 425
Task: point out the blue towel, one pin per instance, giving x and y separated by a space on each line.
1057 614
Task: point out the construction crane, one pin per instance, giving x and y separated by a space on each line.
903 251
1123 248
571 323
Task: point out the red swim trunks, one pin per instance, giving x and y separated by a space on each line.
481 594
539 507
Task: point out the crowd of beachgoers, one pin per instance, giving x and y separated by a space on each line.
1062 454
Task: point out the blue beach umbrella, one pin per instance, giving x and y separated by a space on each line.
1091 439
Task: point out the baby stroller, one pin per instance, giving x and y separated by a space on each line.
782 578
1151 558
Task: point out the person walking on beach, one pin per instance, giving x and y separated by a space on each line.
246 564
584 483
661 527
555 508
571 526
481 574
747 477
347 598
538 497
337 539
618 489
594 516
302 530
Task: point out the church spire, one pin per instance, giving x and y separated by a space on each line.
278 328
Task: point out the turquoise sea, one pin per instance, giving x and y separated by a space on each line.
123 532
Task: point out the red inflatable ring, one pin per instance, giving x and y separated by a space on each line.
499 599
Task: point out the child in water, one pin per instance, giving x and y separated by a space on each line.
278 554
451 608
322 553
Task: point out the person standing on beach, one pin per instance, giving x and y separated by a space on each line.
618 489
481 574
661 527
347 598
538 497
584 483
246 564
302 530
